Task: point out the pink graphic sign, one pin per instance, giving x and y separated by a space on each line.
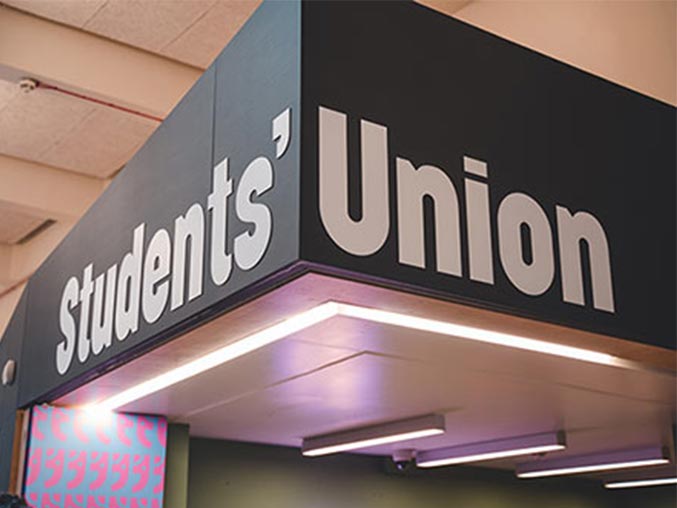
84 459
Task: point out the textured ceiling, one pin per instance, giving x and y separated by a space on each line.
68 133
205 39
191 31
148 25
7 92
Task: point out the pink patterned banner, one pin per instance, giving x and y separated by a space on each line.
81 459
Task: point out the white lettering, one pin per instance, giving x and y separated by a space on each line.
517 210
525 236
256 180
171 268
478 221
221 261
155 269
102 318
571 231
84 345
413 185
367 235
66 348
129 283
190 226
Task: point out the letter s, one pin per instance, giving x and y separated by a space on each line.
66 348
256 180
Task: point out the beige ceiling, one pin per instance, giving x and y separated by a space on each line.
191 31
69 133
630 42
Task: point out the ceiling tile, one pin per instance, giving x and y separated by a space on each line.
205 39
145 24
71 12
101 144
33 122
8 91
16 224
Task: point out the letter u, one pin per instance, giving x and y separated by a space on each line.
367 235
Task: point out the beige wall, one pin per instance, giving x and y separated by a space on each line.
631 42
239 475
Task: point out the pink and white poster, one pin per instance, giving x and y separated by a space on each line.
83 459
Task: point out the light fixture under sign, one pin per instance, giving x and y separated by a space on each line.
491 450
374 435
642 457
649 482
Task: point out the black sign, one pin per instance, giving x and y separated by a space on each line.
10 351
441 158
382 141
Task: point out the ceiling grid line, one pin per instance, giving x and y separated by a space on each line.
191 25
65 134
94 14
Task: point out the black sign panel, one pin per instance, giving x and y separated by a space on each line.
444 159
10 350
203 212
387 142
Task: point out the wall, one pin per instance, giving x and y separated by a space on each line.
239 475
632 43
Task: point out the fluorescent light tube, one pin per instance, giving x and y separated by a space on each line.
329 310
491 450
478 334
653 482
225 354
592 463
373 435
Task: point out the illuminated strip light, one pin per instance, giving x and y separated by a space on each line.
641 483
478 334
490 450
328 310
225 354
365 437
593 463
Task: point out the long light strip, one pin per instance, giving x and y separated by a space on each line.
366 443
225 354
593 468
365 437
478 334
641 483
480 457
490 450
593 463
328 310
